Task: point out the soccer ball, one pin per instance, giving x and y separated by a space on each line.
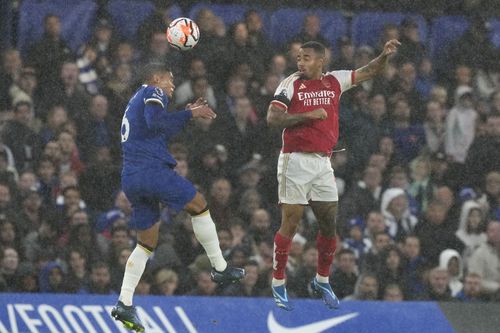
183 33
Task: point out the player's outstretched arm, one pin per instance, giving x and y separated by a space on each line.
377 65
277 117
200 109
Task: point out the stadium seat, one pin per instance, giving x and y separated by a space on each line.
367 27
128 15
77 18
230 14
288 22
495 32
6 16
445 30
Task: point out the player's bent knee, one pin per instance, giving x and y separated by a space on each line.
197 206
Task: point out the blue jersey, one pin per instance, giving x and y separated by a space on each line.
148 178
145 136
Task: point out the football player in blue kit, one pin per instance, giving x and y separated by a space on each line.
148 179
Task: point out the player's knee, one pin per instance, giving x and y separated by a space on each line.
198 205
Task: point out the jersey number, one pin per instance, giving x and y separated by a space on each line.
125 130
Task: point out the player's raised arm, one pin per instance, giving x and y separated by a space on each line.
277 116
378 64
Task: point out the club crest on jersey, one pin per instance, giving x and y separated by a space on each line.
158 92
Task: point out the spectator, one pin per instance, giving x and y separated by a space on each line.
460 126
484 149
411 46
398 219
451 260
381 240
166 282
345 275
471 229
311 31
25 144
486 259
51 278
409 139
393 293
475 38
9 74
422 188
26 279
96 131
49 53
68 92
220 202
366 288
185 92
247 287
204 285
42 241
345 59
436 233
415 267
438 285
362 198
256 37
355 240
471 291
299 285
100 280
392 269
78 274
434 126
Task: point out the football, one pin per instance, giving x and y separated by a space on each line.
183 33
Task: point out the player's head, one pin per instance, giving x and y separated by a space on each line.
311 59
159 75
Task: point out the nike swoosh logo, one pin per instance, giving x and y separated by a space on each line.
317 327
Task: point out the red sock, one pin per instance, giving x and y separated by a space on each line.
326 252
281 249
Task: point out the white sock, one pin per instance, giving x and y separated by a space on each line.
322 279
277 282
136 264
206 233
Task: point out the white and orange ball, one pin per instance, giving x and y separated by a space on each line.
183 33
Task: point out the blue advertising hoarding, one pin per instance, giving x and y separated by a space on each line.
42 313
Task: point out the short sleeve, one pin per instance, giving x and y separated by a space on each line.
345 78
155 95
284 92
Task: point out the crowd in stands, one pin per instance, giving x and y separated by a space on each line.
419 181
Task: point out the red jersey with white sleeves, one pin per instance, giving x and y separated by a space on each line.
297 95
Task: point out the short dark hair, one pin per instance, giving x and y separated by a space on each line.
154 68
318 48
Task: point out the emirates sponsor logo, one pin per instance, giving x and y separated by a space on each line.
316 94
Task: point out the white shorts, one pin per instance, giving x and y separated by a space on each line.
305 176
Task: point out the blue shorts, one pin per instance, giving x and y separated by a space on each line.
148 188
